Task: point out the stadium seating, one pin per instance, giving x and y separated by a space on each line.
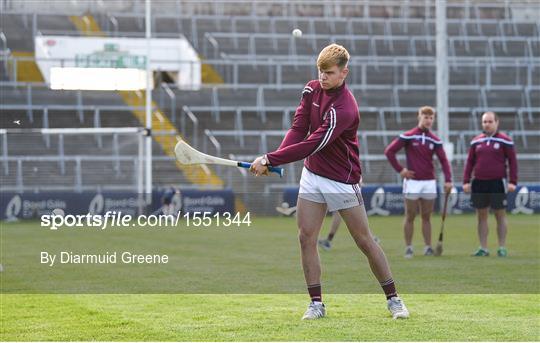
494 63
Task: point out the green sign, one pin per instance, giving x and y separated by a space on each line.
110 57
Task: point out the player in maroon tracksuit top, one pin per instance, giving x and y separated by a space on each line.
324 133
419 185
487 159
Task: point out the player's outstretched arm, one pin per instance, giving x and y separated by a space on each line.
296 134
332 127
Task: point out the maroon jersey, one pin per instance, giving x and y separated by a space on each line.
420 145
324 132
487 158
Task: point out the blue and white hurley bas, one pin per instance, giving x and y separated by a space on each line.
185 154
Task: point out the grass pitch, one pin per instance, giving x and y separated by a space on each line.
266 318
455 297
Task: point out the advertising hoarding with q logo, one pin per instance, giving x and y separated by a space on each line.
388 200
15 206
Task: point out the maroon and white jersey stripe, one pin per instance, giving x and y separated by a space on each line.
324 132
488 156
420 145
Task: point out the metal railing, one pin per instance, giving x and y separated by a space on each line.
460 138
427 24
61 158
260 107
352 41
272 69
165 88
187 113
394 94
240 111
71 166
112 27
467 9
232 67
523 116
118 166
78 109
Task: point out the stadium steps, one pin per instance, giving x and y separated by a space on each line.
199 174
105 174
86 25
94 173
285 25
250 120
416 9
305 47
27 70
19 36
36 175
368 97
21 41
24 145
167 173
8 120
3 73
209 75
52 23
424 75
240 97
459 76
41 96
35 145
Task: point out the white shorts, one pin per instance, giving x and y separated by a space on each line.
337 195
420 189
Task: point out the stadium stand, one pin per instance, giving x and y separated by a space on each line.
494 63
